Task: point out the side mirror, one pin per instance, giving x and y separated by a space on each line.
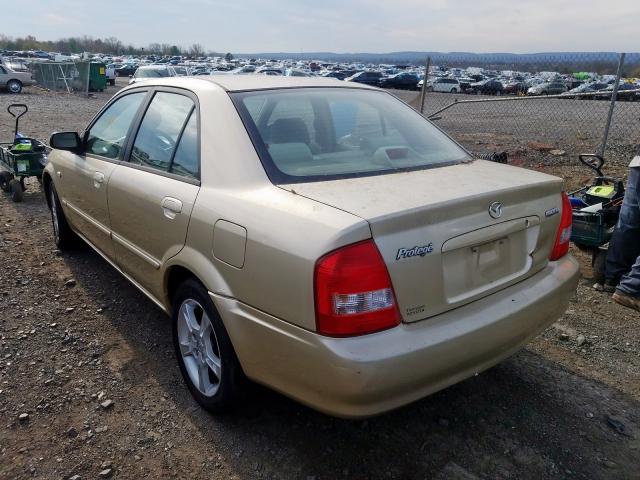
66 141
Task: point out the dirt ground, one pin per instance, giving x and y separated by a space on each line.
89 360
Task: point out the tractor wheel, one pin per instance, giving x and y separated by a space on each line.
599 263
5 178
17 193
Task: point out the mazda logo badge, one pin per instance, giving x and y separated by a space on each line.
495 210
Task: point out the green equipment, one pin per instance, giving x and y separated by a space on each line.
22 158
596 209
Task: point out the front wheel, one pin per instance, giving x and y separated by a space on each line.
14 86
206 357
453 90
63 236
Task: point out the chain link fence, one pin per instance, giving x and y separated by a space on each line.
69 77
568 103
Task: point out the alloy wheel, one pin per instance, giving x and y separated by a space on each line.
199 347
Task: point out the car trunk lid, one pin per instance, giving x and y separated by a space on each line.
442 246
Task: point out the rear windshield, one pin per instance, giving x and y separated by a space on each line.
314 134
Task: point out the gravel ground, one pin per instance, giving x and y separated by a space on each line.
89 386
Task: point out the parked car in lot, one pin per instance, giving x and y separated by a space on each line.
126 70
489 86
368 78
404 80
585 90
442 84
13 81
515 88
334 74
465 83
626 91
320 238
548 88
110 73
153 71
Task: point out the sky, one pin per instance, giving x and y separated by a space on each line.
380 26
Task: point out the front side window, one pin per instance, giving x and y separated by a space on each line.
160 130
108 134
314 134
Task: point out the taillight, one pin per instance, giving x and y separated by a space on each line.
561 247
353 292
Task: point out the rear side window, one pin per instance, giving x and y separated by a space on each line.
107 135
160 130
186 160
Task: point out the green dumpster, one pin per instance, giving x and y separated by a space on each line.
97 77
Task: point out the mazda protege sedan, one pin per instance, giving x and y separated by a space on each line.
317 237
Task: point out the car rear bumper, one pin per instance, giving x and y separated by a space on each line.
368 375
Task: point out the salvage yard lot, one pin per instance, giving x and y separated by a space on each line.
75 335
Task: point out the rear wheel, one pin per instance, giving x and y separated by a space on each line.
63 236
599 263
5 178
17 192
14 86
206 357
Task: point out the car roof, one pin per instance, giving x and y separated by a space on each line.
239 83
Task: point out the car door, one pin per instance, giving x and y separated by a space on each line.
151 195
3 76
82 179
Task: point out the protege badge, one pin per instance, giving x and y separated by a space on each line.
414 252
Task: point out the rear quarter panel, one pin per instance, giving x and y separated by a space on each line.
285 232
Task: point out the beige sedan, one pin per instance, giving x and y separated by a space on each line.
13 81
317 237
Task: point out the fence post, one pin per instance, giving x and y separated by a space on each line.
86 92
612 105
424 83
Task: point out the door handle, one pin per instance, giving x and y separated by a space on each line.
98 179
171 207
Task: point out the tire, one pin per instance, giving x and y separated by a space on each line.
204 352
453 90
63 236
5 178
14 86
17 192
599 264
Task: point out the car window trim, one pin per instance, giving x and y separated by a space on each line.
179 140
133 122
126 161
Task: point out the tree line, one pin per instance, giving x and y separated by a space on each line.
109 45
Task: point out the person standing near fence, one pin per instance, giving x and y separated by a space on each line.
623 258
